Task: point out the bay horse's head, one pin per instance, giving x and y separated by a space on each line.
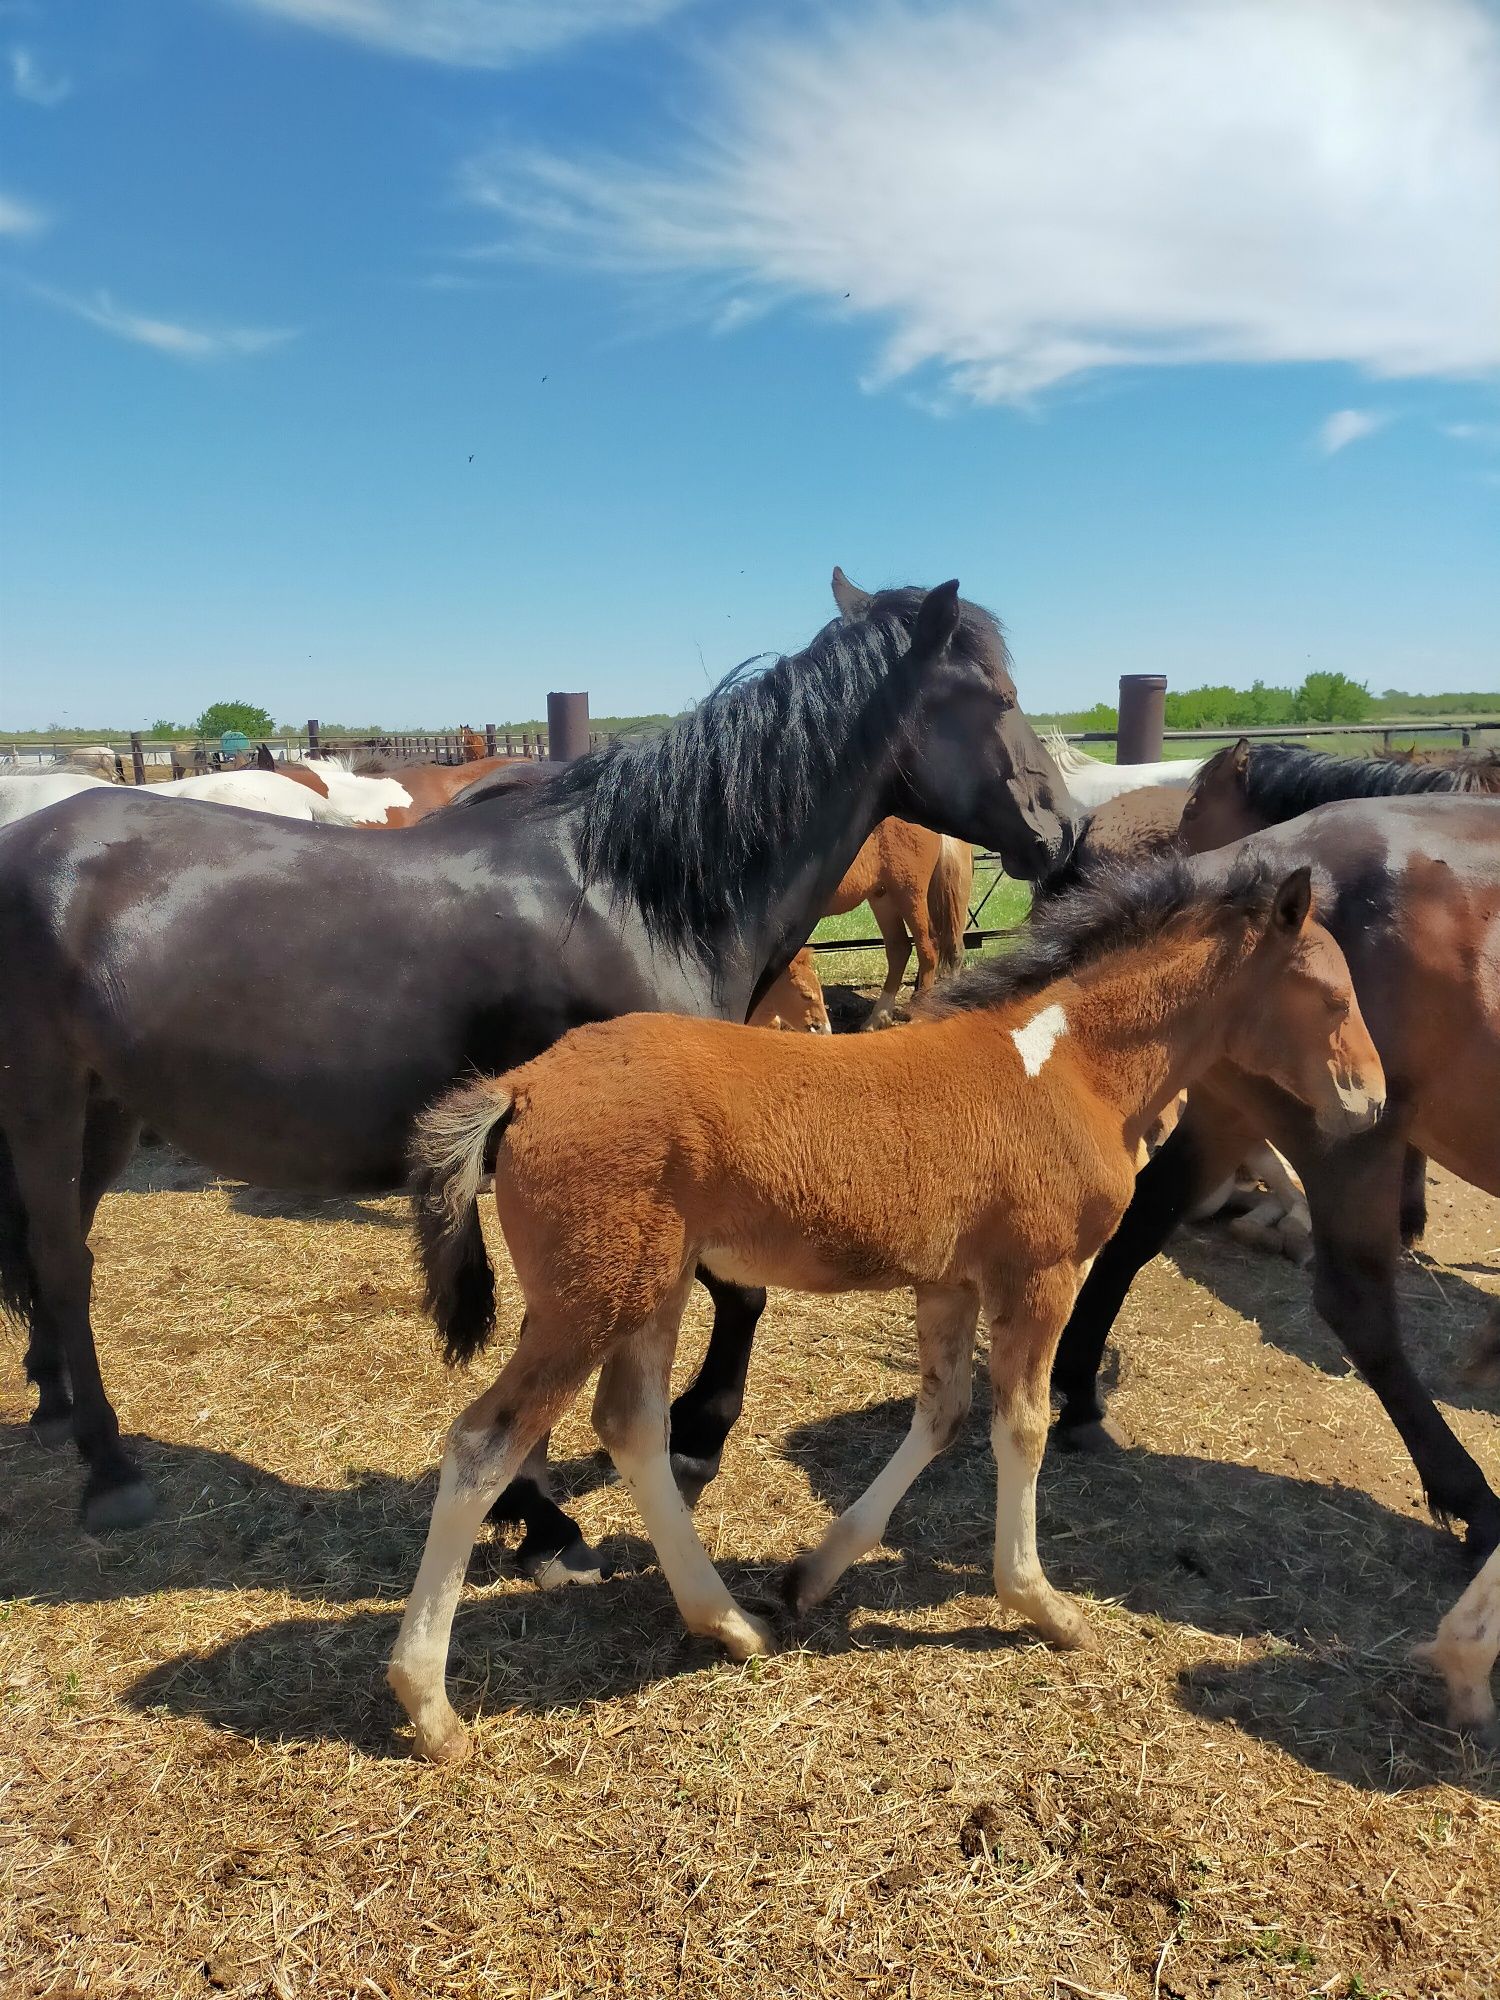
1218 809
1303 1029
972 765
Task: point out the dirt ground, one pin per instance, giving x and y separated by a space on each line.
1246 1790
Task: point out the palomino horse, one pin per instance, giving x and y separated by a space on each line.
1410 887
400 795
637 1150
1093 783
917 886
148 975
1465 1649
796 1000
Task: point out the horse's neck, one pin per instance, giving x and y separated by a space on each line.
1142 1028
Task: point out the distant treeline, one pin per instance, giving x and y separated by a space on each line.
1322 697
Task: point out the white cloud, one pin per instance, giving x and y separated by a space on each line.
1020 192
31 80
21 218
478 34
183 343
1481 434
1346 427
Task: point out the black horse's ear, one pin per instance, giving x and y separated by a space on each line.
264 761
1293 902
937 621
850 599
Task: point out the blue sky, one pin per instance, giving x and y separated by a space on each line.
1171 328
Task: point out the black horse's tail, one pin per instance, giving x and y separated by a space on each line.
15 1264
453 1149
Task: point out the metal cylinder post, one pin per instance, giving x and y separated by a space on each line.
1143 717
567 727
312 736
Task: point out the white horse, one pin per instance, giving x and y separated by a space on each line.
1091 782
256 791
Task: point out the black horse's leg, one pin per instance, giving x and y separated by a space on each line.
1207 1145
45 1120
553 1551
1354 1198
708 1409
1413 1197
109 1138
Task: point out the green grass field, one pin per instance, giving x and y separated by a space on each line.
1006 906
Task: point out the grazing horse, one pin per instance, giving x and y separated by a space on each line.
637 1150
796 1000
917 886
1465 1648
1410 887
147 974
400 795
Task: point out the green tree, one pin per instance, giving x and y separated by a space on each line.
222 715
1330 697
165 731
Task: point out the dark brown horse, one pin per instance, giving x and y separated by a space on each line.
1410 887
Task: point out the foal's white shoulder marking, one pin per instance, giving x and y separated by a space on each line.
1039 1037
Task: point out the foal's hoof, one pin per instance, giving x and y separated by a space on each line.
799 1588
450 1746
745 1637
51 1432
577 1563
127 1506
693 1474
1098 1439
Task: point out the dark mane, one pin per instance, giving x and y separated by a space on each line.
1121 907
1282 782
694 822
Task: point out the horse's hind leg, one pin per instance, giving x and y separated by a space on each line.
708 1409
630 1415
897 952
1354 1197
946 1320
109 1138
914 915
553 1552
45 1126
486 1447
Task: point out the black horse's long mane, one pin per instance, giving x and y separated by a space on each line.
1283 782
691 823
1122 906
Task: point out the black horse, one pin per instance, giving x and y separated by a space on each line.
282 1000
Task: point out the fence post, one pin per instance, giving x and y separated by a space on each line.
137 757
567 727
1143 714
312 736
491 741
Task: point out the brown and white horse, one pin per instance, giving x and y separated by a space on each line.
996 1151
396 798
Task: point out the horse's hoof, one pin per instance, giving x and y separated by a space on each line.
744 1637
447 1745
693 1475
799 1592
51 1432
577 1563
1096 1439
127 1506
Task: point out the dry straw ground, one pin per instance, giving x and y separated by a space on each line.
1245 1791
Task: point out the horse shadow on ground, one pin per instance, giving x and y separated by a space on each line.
1329 1587
1440 1309
161 1169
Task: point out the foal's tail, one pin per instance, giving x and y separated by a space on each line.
948 901
15 1265
452 1150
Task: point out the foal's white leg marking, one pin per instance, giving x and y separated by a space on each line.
1465 1649
702 1596
1036 1040
474 1471
1020 1582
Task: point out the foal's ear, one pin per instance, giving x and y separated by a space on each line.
937 621
1239 759
1293 901
850 599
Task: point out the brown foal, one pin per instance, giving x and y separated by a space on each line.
982 1157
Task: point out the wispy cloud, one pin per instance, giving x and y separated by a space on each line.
476 34
21 218
1019 193
1481 434
32 81
1346 427
171 337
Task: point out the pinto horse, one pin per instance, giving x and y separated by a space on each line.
147 975
1410 887
397 796
637 1150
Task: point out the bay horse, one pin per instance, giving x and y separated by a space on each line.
916 883
1410 888
637 1150
148 975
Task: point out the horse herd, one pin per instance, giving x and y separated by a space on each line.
543 979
